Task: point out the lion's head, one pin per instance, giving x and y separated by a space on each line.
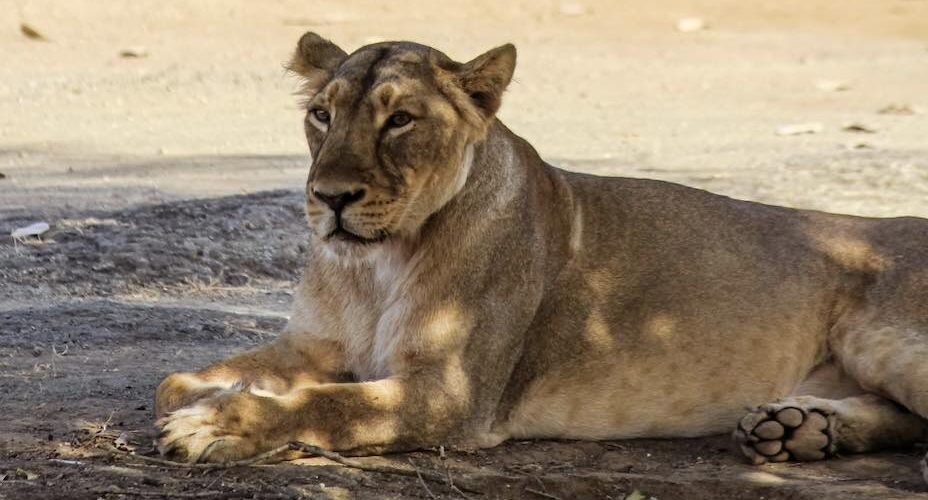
391 130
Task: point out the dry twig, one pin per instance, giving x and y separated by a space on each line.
542 494
422 481
382 468
143 493
309 449
255 460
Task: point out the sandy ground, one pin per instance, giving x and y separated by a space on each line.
141 276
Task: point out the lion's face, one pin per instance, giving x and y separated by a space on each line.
391 130
387 148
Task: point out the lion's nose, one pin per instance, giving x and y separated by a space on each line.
338 201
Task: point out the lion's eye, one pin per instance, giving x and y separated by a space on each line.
321 115
399 119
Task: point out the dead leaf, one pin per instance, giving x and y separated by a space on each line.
32 230
800 128
134 53
122 443
31 33
898 109
859 128
636 495
25 474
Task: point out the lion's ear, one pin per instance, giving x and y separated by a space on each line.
315 58
486 77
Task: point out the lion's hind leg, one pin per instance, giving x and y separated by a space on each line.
887 353
827 413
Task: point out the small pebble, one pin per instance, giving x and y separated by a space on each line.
690 24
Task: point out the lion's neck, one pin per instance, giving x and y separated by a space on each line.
502 168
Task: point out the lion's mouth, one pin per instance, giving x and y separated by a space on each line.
342 234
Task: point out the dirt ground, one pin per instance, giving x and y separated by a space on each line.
172 183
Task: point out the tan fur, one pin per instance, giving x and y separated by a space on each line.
470 293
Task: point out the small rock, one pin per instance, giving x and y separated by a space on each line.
859 128
2 175
690 24
800 128
36 351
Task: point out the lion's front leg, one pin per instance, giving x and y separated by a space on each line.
370 417
278 366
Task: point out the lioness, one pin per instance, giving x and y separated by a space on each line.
460 291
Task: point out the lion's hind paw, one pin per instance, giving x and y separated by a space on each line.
787 430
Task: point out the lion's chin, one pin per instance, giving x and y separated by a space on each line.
346 247
343 235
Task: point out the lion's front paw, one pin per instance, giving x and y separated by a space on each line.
789 429
182 389
219 429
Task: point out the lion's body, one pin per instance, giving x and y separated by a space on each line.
528 301
677 308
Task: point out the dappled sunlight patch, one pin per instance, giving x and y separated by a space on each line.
661 326
374 430
455 378
762 477
597 331
850 252
385 395
445 327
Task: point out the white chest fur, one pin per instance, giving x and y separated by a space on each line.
366 316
